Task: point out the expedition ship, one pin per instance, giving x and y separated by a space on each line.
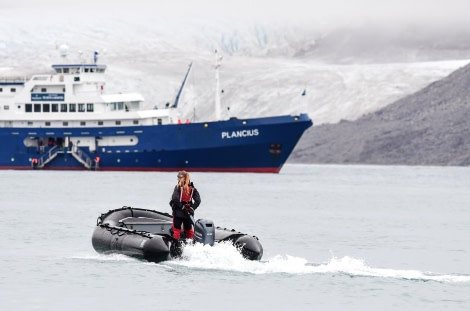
64 120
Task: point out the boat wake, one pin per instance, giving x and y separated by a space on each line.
357 267
226 258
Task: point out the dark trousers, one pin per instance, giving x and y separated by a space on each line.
177 221
188 230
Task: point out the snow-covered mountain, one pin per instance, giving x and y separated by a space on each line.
268 68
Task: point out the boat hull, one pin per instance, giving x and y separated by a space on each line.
149 238
107 240
236 145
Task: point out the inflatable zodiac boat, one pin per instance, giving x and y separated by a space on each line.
147 234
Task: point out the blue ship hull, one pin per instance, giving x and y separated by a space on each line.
236 145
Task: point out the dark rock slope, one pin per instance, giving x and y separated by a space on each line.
429 127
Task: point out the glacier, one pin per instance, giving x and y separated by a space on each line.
268 68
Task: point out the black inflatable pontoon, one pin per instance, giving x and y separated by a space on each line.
147 234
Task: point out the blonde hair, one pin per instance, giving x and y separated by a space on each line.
183 180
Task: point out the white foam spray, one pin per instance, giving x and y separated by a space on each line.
226 257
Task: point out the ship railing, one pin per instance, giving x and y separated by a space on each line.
13 80
82 157
47 157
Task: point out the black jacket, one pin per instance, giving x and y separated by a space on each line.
177 206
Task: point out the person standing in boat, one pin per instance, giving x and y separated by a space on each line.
184 201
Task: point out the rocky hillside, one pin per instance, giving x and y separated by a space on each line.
429 127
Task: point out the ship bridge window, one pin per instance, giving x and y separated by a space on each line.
81 107
73 107
46 107
117 106
28 107
76 79
43 90
134 105
37 107
66 70
63 107
55 107
89 107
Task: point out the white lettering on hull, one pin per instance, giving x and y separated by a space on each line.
241 133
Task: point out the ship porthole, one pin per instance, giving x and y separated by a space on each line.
118 160
186 162
12 159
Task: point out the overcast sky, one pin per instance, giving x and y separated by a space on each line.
324 10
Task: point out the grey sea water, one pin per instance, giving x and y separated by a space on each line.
334 238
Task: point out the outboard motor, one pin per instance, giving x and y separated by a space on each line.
204 231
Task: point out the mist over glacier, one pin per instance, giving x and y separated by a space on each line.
321 62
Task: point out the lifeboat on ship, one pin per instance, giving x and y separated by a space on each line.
147 234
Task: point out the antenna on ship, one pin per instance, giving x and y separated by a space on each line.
218 63
80 55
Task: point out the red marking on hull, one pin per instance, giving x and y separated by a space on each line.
195 169
153 169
